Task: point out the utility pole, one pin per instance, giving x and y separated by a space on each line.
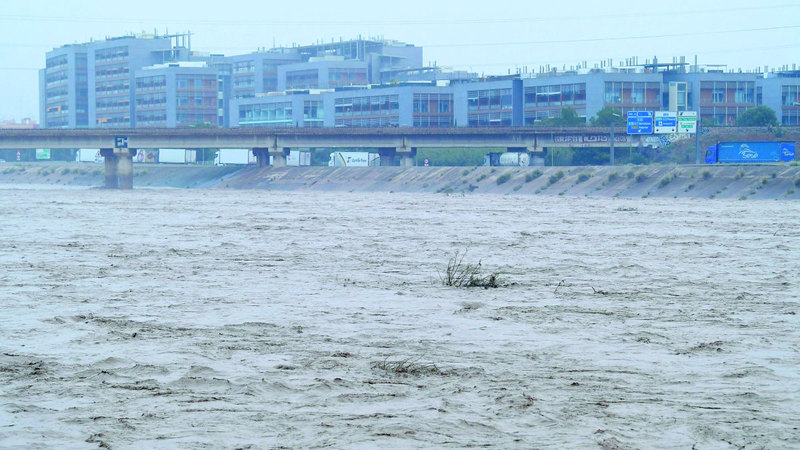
697 143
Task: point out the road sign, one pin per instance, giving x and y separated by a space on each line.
666 122
687 122
121 142
640 122
42 153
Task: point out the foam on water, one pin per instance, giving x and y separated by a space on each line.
185 318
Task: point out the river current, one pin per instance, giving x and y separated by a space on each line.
236 319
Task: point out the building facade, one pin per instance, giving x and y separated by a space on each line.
384 106
257 73
157 81
112 76
63 88
781 92
176 95
323 73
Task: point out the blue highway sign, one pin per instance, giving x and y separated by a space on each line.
640 122
120 142
666 122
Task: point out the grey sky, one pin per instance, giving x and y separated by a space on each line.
485 37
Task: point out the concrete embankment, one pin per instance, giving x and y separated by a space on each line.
771 181
780 181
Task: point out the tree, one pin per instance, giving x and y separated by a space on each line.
606 116
454 156
757 117
568 118
559 156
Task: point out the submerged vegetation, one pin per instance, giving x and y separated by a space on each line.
461 274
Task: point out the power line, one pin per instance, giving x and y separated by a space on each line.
516 43
576 60
618 38
443 21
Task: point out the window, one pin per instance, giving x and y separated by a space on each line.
613 94
497 99
313 111
433 110
790 95
266 115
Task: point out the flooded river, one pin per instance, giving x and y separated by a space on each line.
206 318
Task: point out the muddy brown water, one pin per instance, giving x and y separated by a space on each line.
206 318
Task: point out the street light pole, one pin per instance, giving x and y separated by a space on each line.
697 143
611 144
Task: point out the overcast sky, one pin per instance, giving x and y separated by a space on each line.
488 37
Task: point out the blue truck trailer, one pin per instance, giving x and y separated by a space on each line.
750 152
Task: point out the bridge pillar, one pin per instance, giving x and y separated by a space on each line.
407 155
279 156
387 155
125 167
262 157
111 163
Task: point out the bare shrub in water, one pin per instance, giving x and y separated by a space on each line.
460 274
410 367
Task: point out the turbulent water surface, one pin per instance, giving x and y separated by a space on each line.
203 318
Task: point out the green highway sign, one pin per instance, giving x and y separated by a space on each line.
687 122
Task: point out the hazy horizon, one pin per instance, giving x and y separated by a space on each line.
476 37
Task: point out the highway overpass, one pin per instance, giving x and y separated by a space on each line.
119 145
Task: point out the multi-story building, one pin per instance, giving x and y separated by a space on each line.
63 88
718 97
781 92
322 73
156 81
112 74
379 106
176 95
257 73
380 55
516 101
356 62
92 84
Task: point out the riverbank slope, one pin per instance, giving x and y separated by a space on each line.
769 181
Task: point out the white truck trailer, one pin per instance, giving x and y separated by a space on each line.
90 155
235 156
298 158
176 156
354 159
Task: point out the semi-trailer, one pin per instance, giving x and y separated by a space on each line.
235 156
519 159
176 156
354 159
90 155
243 156
750 152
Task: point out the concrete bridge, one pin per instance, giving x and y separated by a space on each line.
119 145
